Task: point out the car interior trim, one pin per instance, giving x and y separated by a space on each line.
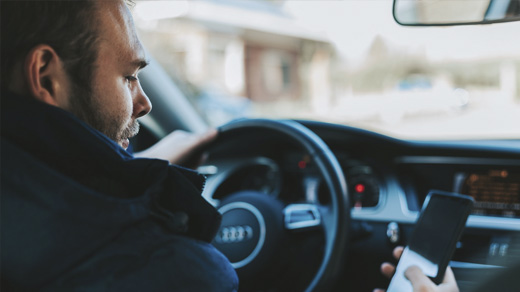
457 160
465 265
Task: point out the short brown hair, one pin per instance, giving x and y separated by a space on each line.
68 26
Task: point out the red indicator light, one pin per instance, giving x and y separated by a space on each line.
360 188
302 164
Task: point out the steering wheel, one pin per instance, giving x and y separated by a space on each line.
253 224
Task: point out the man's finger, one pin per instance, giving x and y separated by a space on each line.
398 251
388 270
208 136
192 156
419 281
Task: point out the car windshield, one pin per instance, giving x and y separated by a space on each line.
345 62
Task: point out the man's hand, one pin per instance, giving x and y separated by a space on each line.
181 147
420 282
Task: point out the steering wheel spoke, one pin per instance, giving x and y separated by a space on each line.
301 217
327 221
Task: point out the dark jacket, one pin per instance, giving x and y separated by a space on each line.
78 213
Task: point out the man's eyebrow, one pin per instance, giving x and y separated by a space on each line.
141 63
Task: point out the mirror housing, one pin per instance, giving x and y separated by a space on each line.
455 12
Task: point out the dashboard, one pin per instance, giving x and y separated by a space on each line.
388 180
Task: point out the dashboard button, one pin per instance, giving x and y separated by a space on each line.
393 232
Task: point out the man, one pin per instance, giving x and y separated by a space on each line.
78 212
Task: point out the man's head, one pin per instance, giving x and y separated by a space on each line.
82 56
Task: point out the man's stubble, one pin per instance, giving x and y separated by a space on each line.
85 106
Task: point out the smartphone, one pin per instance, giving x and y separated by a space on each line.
434 238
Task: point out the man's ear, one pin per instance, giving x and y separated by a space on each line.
46 77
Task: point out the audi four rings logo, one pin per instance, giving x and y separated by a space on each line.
233 234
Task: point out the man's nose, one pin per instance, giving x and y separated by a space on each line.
142 105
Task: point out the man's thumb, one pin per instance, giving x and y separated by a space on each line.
420 282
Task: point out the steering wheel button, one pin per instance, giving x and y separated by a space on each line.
503 249
301 216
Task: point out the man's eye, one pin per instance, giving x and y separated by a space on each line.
131 78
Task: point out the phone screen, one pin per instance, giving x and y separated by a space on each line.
434 238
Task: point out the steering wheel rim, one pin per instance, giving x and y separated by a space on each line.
336 222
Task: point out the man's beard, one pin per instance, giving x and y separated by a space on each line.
83 104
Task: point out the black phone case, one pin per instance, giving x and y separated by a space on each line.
453 243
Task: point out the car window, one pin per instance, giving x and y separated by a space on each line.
345 62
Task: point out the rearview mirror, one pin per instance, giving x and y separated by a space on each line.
455 12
